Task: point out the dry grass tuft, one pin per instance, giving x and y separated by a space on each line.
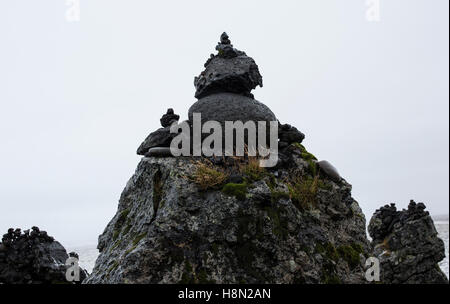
207 176
252 169
303 192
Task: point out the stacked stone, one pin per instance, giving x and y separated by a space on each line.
158 142
32 257
407 245
223 90
288 134
383 221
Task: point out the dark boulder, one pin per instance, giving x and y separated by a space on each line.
223 107
169 118
289 134
161 137
230 71
231 107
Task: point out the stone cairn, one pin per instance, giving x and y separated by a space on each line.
223 90
407 245
33 257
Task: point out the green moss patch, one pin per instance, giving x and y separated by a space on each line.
113 267
122 217
308 157
115 234
331 252
279 227
237 190
350 254
277 195
138 238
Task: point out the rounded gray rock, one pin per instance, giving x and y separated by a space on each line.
223 107
330 170
159 152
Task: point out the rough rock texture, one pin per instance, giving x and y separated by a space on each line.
33 258
289 134
169 118
407 245
160 138
230 70
279 226
231 107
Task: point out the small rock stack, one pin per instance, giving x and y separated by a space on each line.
407 245
158 142
33 257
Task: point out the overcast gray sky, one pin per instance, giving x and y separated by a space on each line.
77 98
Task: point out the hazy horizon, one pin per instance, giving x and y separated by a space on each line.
78 98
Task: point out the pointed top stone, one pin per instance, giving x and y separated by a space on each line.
224 39
229 71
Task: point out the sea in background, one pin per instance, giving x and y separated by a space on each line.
442 229
88 254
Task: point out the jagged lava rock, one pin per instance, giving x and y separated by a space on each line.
167 230
407 245
289 134
33 258
169 118
230 70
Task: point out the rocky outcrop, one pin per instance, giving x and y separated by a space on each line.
256 226
407 245
228 220
33 258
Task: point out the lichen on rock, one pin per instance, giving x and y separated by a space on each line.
240 233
